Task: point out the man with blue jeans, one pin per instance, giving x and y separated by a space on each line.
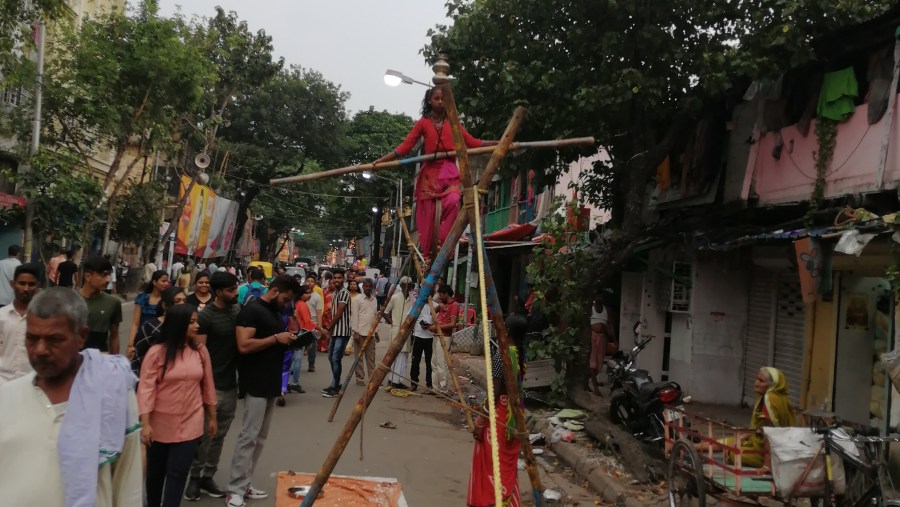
339 329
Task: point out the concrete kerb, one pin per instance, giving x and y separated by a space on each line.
577 457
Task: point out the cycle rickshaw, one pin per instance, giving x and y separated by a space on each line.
825 462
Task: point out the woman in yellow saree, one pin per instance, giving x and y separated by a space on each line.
772 408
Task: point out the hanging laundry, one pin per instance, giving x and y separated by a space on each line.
839 89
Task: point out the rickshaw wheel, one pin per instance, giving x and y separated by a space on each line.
685 477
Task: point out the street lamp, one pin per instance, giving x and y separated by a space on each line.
395 78
367 175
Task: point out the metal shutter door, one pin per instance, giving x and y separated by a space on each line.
790 333
756 346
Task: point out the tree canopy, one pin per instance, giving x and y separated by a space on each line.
632 73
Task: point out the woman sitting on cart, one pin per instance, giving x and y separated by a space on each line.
772 408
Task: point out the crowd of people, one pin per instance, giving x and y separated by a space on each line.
157 412
154 416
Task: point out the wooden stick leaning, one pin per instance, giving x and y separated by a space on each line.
493 300
440 262
484 150
359 354
440 334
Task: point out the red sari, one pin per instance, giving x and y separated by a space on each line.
481 480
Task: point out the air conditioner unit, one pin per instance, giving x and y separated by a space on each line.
680 301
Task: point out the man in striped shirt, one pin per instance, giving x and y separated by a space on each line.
339 329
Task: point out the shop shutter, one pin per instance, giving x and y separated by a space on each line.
759 328
790 332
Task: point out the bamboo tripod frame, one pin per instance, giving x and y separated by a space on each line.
440 262
440 333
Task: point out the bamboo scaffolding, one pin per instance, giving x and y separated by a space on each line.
440 333
441 261
493 301
484 150
361 351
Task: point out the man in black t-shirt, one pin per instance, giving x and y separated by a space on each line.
217 330
261 343
67 270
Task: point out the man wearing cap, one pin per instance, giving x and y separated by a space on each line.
396 311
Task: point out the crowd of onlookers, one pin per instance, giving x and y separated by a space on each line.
154 415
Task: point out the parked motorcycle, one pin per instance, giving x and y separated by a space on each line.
637 401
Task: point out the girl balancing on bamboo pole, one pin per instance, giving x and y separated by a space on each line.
439 179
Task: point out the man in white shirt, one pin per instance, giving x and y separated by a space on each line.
13 357
177 267
49 460
363 310
149 268
423 342
394 314
316 309
7 273
382 286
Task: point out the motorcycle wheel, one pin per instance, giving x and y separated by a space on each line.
620 410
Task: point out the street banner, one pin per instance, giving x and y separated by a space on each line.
228 227
189 216
209 207
216 234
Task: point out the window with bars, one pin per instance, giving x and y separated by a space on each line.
10 95
680 302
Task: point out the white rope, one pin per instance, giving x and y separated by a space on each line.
486 337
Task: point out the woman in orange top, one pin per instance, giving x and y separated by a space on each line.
176 386
439 179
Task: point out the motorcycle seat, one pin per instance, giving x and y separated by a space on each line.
651 387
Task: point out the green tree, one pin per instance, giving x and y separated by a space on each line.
634 74
293 123
16 20
241 61
66 201
370 134
138 214
121 83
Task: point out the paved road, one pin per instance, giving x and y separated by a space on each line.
429 452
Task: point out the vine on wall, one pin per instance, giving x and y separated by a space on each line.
559 275
826 135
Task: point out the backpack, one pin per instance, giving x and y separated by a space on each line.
252 294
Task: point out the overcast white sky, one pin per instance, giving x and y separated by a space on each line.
351 42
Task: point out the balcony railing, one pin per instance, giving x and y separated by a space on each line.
496 220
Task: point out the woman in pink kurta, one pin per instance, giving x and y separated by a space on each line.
439 179
176 388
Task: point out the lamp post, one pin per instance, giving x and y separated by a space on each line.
395 78
368 175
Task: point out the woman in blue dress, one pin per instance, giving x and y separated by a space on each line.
147 306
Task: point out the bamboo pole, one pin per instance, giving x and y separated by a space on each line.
512 387
484 150
440 333
437 267
361 351
387 360
459 144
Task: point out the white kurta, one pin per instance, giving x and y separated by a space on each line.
13 357
29 468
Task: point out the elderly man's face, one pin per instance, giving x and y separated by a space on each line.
52 346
